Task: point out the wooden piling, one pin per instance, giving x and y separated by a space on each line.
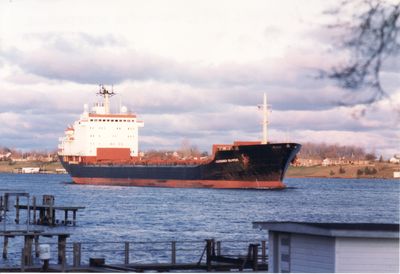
77 254
62 241
51 215
126 252
42 217
17 210
263 252
28 240
22 260
5 247
5 202
74 217
65 216
218 248
209 246
173 252
34 209
255 256
37 253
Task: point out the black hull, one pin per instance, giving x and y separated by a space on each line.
247 163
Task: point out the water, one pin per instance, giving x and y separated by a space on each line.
165 214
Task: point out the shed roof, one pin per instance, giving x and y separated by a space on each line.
372 230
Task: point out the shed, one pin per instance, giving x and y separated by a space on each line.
332 247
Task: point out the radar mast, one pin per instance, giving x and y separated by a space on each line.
106 94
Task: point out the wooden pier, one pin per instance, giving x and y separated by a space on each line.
47 212
32 240
210 258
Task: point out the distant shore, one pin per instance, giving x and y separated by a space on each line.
380 170
15 167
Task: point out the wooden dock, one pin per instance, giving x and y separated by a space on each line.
32 239
212 259
47 212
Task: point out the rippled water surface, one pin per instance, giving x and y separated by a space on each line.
164 214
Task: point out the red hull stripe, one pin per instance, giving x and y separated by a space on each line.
181 183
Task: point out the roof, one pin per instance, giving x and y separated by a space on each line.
127 115
372 230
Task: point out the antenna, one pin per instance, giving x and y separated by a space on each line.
103 91
106 94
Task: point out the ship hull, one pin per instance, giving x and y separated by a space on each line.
248 166
181 183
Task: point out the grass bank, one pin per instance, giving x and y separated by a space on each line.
12 167
375 170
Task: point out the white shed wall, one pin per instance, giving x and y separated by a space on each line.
367 255
307 253
312 253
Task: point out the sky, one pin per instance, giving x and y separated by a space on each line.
193 71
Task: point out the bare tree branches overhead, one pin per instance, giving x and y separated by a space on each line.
371 36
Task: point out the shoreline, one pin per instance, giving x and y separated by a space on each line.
375 170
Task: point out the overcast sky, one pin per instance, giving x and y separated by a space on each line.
192 70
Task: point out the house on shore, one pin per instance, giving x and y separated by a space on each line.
332 247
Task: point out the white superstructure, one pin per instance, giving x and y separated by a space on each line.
99 129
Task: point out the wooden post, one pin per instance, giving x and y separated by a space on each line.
62 241
65 216
5 247
37 253
28 240
173 252
77 254
126 253
41 216
17 210
22 260
255 257
74 217
218 248
53 216
263 252
34 209
5 202
209 252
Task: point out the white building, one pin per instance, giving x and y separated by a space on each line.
332 247
30 170
395 159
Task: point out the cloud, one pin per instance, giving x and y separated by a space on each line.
289 81
194 73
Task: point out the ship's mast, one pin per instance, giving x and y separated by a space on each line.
265 120
106 94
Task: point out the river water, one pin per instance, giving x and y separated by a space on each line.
166 214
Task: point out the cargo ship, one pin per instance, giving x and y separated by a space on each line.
102 148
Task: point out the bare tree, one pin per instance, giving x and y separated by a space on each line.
371 30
